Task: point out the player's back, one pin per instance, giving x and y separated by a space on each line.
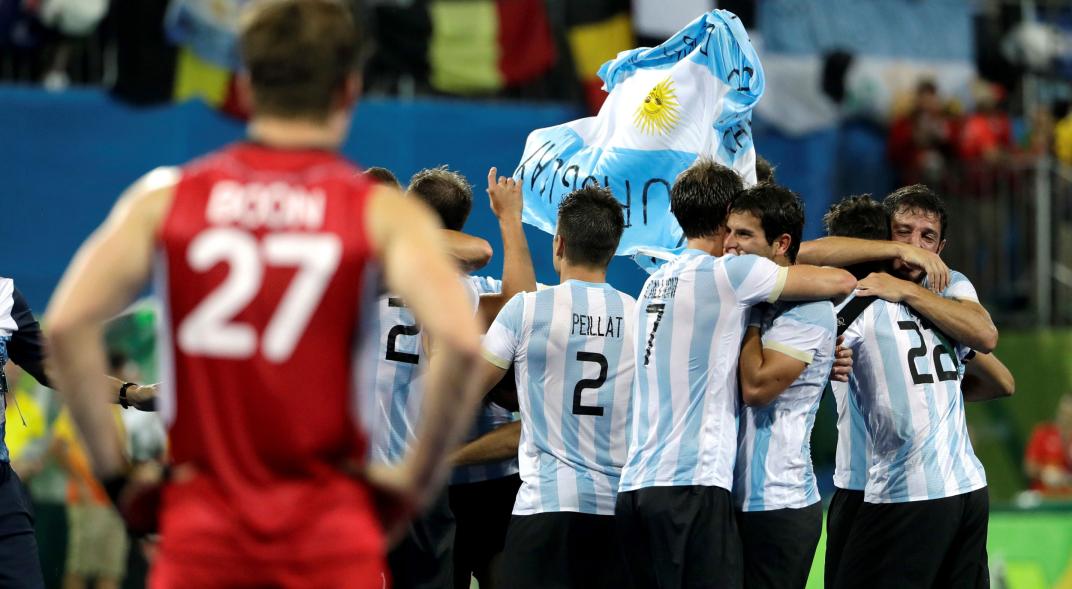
261 270
574 370
908 376
690 319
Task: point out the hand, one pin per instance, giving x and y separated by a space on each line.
143 397
842 362
884 286
505 197
932 265
395 497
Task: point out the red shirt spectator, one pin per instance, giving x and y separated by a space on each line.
1048 460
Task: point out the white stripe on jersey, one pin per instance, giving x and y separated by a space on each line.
853 445
909 393
774 469
166 402
689 323
571 347
7 328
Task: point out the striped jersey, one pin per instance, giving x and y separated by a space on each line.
571 348
490 416
853 445
908 378
690 319
21 342
774 469
393 365
7 328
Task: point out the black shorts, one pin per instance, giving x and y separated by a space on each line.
424 559
482 515
839 517
680 537
19 564
562 550
936 543
779 546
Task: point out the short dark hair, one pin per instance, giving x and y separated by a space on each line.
701 196
764 170
590 222
917 198
857 216
861 217
449 193
298 54
383 176
779 211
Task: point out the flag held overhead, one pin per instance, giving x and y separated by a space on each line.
691 96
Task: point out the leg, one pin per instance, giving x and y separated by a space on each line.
536 555
713 555
779 546
595 553
965 564
839 518
424 559
898 545
482 512
635 541
19 566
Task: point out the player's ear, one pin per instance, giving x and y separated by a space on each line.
558 246
941 246
244 91
351 90
782 244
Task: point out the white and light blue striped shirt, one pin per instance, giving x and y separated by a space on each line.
774 469
490 417
571 347
908 377
853 456
689 323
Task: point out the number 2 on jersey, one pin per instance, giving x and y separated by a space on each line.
398 331
589 383
921 351
210 329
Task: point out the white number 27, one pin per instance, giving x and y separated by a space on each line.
210 330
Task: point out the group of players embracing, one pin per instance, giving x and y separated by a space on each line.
321 356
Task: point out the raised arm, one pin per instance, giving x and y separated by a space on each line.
847 251
987 378
104 276
812 283
470 252
964 320
765 373
518 274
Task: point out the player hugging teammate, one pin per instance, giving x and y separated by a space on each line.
320 349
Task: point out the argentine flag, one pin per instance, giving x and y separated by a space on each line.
691 96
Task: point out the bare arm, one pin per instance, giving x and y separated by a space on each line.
518 275
812 283
987 378
765 373
963 320
104 276
498 444
847 251
470 252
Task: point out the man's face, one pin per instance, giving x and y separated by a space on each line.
921 229
744 235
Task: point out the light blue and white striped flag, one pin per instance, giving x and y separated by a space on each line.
691 96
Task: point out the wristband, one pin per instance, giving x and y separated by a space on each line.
123 394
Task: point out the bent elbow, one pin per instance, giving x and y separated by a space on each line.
846 284
485 253
755 395
989 339
1008 387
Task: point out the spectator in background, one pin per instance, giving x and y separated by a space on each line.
1062 135
987 133
97 538
921 142
1048 461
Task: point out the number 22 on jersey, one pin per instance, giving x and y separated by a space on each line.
211 330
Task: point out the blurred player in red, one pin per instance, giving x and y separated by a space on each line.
262 254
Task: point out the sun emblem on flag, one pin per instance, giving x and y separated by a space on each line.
658 112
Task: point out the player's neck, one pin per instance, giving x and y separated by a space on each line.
297 134
582 273
710 244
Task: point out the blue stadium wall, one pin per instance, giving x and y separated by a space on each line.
65 157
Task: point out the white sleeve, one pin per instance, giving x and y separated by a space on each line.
504 336
960 288
802 331
755 279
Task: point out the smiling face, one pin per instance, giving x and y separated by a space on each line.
744 235
919 228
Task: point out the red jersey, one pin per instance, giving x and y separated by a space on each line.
261 270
